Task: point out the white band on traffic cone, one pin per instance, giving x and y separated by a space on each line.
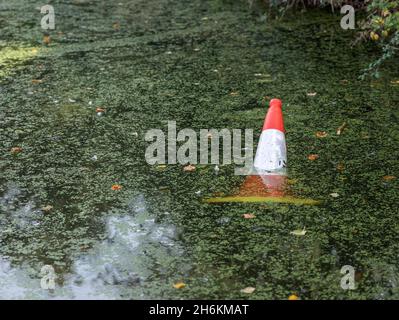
271 155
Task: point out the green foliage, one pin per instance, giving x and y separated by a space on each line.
382 26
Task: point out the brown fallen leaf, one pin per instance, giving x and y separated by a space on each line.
321 134
248 216
16 150
247 290
341 128
189 168
46 39
179 285
116 26
313 157
100 109
234 93
116 187
389 178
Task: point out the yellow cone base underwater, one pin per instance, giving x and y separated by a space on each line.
264 189
255 199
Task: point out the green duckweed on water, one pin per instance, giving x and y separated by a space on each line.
181 60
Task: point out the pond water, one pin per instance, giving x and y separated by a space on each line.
203 64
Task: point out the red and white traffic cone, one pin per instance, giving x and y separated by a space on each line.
267 183
271 155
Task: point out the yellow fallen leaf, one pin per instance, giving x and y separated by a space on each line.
313 157
293 297
340 167
321 134
248 290
298 232
179 285
47 208
341 128
189 168
46 39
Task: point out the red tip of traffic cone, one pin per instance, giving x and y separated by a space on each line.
274 116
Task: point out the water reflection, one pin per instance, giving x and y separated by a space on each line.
135 255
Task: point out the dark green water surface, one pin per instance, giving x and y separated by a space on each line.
146 62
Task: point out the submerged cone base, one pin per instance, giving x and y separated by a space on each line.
258 199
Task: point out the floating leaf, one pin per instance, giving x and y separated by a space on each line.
341 128
340 167
298 232
46 39
313 157
116 187
16 150
189 168
248 216
321 134
179 285
248 290
47 208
